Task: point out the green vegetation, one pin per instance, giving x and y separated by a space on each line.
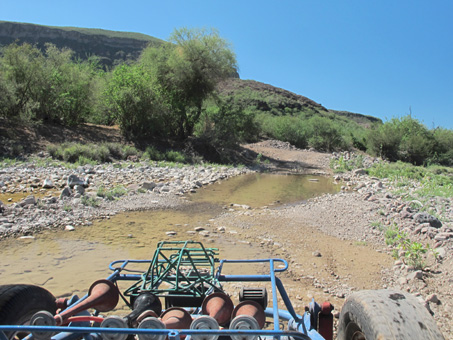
408 140
413 253
67 207
91 153
431 181
111 194
152 153
342 165
184 89
90 201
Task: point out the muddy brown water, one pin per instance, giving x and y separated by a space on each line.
66 263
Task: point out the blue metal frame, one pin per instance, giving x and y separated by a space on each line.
299 327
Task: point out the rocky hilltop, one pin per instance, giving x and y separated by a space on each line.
111 47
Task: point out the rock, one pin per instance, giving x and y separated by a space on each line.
418 274
48 184
27 238
433 298
73 180
148 185
316 254
79 189
69 228
359 172
199 229
67 192
204 233
443 236
428 308
402 281
424 217
30 200
378 185
171 233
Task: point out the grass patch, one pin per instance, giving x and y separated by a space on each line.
152 153
90 201
111 194
433 181
83 154
344 165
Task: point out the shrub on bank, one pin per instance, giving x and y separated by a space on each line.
91 153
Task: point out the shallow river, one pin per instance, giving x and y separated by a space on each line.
68 262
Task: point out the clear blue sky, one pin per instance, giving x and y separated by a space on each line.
382 58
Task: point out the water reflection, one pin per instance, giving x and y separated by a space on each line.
258 190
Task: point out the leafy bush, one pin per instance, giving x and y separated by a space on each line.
443 149
227 125
131 99
111 194
73 152
285 128
50 87
90 201
403 139
342 165
153 154
91 153
324 134
174 156
120 151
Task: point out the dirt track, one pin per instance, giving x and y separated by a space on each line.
331 242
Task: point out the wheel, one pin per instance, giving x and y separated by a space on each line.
385 314
19 302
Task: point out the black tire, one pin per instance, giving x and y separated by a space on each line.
19 302
385 314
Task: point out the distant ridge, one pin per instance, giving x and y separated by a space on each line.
112 47
358 117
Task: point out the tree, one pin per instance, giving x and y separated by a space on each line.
21 69
66 95
226 124
403 139
132 101
188 71
324 134
48 86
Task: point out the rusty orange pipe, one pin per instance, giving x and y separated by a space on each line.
219 306
250 308
103 295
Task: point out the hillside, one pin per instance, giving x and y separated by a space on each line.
268 99
111 47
